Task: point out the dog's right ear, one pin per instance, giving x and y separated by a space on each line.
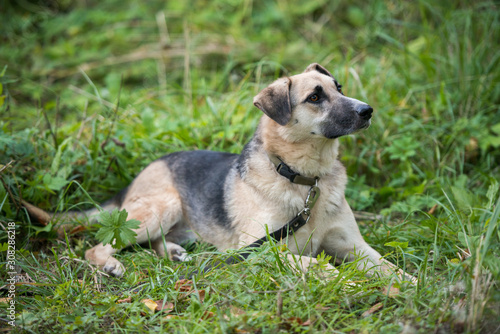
274 101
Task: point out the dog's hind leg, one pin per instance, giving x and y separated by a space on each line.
101 256
174 251
157 214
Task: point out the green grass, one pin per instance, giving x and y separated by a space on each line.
93 91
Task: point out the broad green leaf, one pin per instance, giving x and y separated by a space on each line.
469 241
47 228
464 198
496 128
116 229
54 182
4 247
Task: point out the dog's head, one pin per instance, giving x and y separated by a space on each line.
312 105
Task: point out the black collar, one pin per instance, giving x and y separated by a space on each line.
284 170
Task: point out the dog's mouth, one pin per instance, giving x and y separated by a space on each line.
334 131
367 124
365 119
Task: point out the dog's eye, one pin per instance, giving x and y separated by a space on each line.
339 89
314 98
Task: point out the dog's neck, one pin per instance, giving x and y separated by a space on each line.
310 157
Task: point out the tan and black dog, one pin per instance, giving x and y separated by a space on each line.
228 200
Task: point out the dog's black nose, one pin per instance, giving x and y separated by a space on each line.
364 111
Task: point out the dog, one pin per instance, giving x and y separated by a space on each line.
231 200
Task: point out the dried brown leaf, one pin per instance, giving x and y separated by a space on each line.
77 229
201 295
207 315
372 310
125 300
308 322
181 282
183 285
166 306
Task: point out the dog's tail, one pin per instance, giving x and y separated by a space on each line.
67 221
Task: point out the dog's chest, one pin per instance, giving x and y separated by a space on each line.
291 200
263 203
323 217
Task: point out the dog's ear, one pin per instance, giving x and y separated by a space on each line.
274 101
318 68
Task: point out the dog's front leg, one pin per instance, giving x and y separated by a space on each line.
345 242
369 260
306 263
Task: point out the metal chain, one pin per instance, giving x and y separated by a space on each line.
312 197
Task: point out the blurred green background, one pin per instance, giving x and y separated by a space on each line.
184 73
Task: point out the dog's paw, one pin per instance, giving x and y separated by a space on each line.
180 256
114 267
177 253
